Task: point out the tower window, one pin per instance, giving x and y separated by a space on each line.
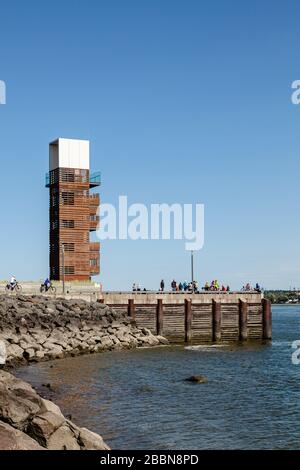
69 270
67 198
69 246
67 224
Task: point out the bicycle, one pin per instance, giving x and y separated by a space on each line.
13 287
50 289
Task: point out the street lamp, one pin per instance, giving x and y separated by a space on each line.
192 267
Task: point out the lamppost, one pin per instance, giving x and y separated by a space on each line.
192 268
63 266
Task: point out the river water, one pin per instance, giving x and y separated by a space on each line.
139 399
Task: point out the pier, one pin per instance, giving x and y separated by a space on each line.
197 318
182 317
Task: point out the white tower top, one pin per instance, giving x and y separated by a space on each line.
69 153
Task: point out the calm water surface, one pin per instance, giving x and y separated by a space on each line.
139 400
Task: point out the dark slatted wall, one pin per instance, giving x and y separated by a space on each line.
230 322
174 322
255 321
146 317
201 323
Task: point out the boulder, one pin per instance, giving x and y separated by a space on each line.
149 340
18 401
106 342
44 425
14 351
162 340
90 441
29 354
39 355
48 405
63 439
11 337
53 350
13 439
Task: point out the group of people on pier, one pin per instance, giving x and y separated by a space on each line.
181 286
248 288
215 286
193 286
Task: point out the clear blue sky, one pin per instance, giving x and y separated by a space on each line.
183 101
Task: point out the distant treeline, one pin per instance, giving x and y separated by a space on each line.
282 296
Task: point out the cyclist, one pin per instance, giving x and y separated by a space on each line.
47 284
13 282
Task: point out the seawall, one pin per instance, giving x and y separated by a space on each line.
40 328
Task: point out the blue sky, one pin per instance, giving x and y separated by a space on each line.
183 101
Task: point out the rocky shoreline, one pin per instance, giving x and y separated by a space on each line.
39 328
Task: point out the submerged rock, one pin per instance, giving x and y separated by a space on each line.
199 379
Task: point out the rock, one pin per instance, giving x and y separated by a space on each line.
63 439
53 350
74 343
29 354
3 354
44 425
39 337
13 439
48 405
39 355
18 401
60 307
12 338
149 340
162 340
200 379
91 441
51 387
15 351
146 332
32 422
83 346
106 342
49 310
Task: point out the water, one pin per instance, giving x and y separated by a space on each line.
139 399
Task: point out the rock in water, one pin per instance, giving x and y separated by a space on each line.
199 379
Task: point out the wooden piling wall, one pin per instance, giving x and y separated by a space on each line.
198 323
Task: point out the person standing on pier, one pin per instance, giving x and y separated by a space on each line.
162 285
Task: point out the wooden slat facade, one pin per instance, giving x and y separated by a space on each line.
73 215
